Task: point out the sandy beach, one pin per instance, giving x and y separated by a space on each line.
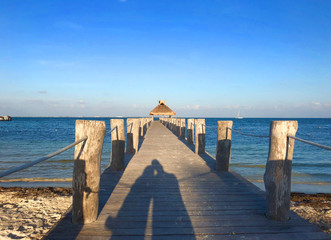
316 208
30 213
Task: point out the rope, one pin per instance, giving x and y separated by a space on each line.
210 127
246 134
311 143
131 124
24 166
110 131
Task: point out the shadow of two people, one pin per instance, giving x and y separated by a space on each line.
154 206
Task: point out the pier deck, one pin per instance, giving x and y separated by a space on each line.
169 192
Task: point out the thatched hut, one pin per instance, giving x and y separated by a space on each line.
162 109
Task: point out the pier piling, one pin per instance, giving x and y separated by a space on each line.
200 136
117 145
182 128
86 175
190 131
223 149
132 135
277 177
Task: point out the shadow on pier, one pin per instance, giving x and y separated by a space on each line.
142 213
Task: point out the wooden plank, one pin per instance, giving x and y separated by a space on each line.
122 224
271 236
199 231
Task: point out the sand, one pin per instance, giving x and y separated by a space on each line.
30 213
316 208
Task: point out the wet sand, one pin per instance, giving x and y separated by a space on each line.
30 213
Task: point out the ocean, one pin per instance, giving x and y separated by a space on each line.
26 139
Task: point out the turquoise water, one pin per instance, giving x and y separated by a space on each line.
26 139
311 170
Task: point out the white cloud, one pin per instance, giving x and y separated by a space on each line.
194 107
82 104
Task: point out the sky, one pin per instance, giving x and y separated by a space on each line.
210 58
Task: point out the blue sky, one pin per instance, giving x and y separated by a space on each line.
205 58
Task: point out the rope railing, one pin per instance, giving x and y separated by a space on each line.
24 166
246 134
110 131
209 127
311 143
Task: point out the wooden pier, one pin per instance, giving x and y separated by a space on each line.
168 192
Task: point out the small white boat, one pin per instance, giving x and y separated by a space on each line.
5 118
238 115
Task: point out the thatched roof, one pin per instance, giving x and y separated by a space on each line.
162 109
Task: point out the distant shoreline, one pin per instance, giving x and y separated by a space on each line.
272 118
305 187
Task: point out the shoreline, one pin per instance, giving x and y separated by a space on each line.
307 188
30 213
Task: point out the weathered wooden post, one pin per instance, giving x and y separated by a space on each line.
144 126
86 175
190 131
182 128
277 176
177 127
117 144
141 127
200 135
151 120
172 123
223 149
132 135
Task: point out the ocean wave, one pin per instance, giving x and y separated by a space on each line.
311 164
294 182
248 165
308 165
300 174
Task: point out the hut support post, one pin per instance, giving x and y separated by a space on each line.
223 149
86 175
200 136
117 145
277 176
